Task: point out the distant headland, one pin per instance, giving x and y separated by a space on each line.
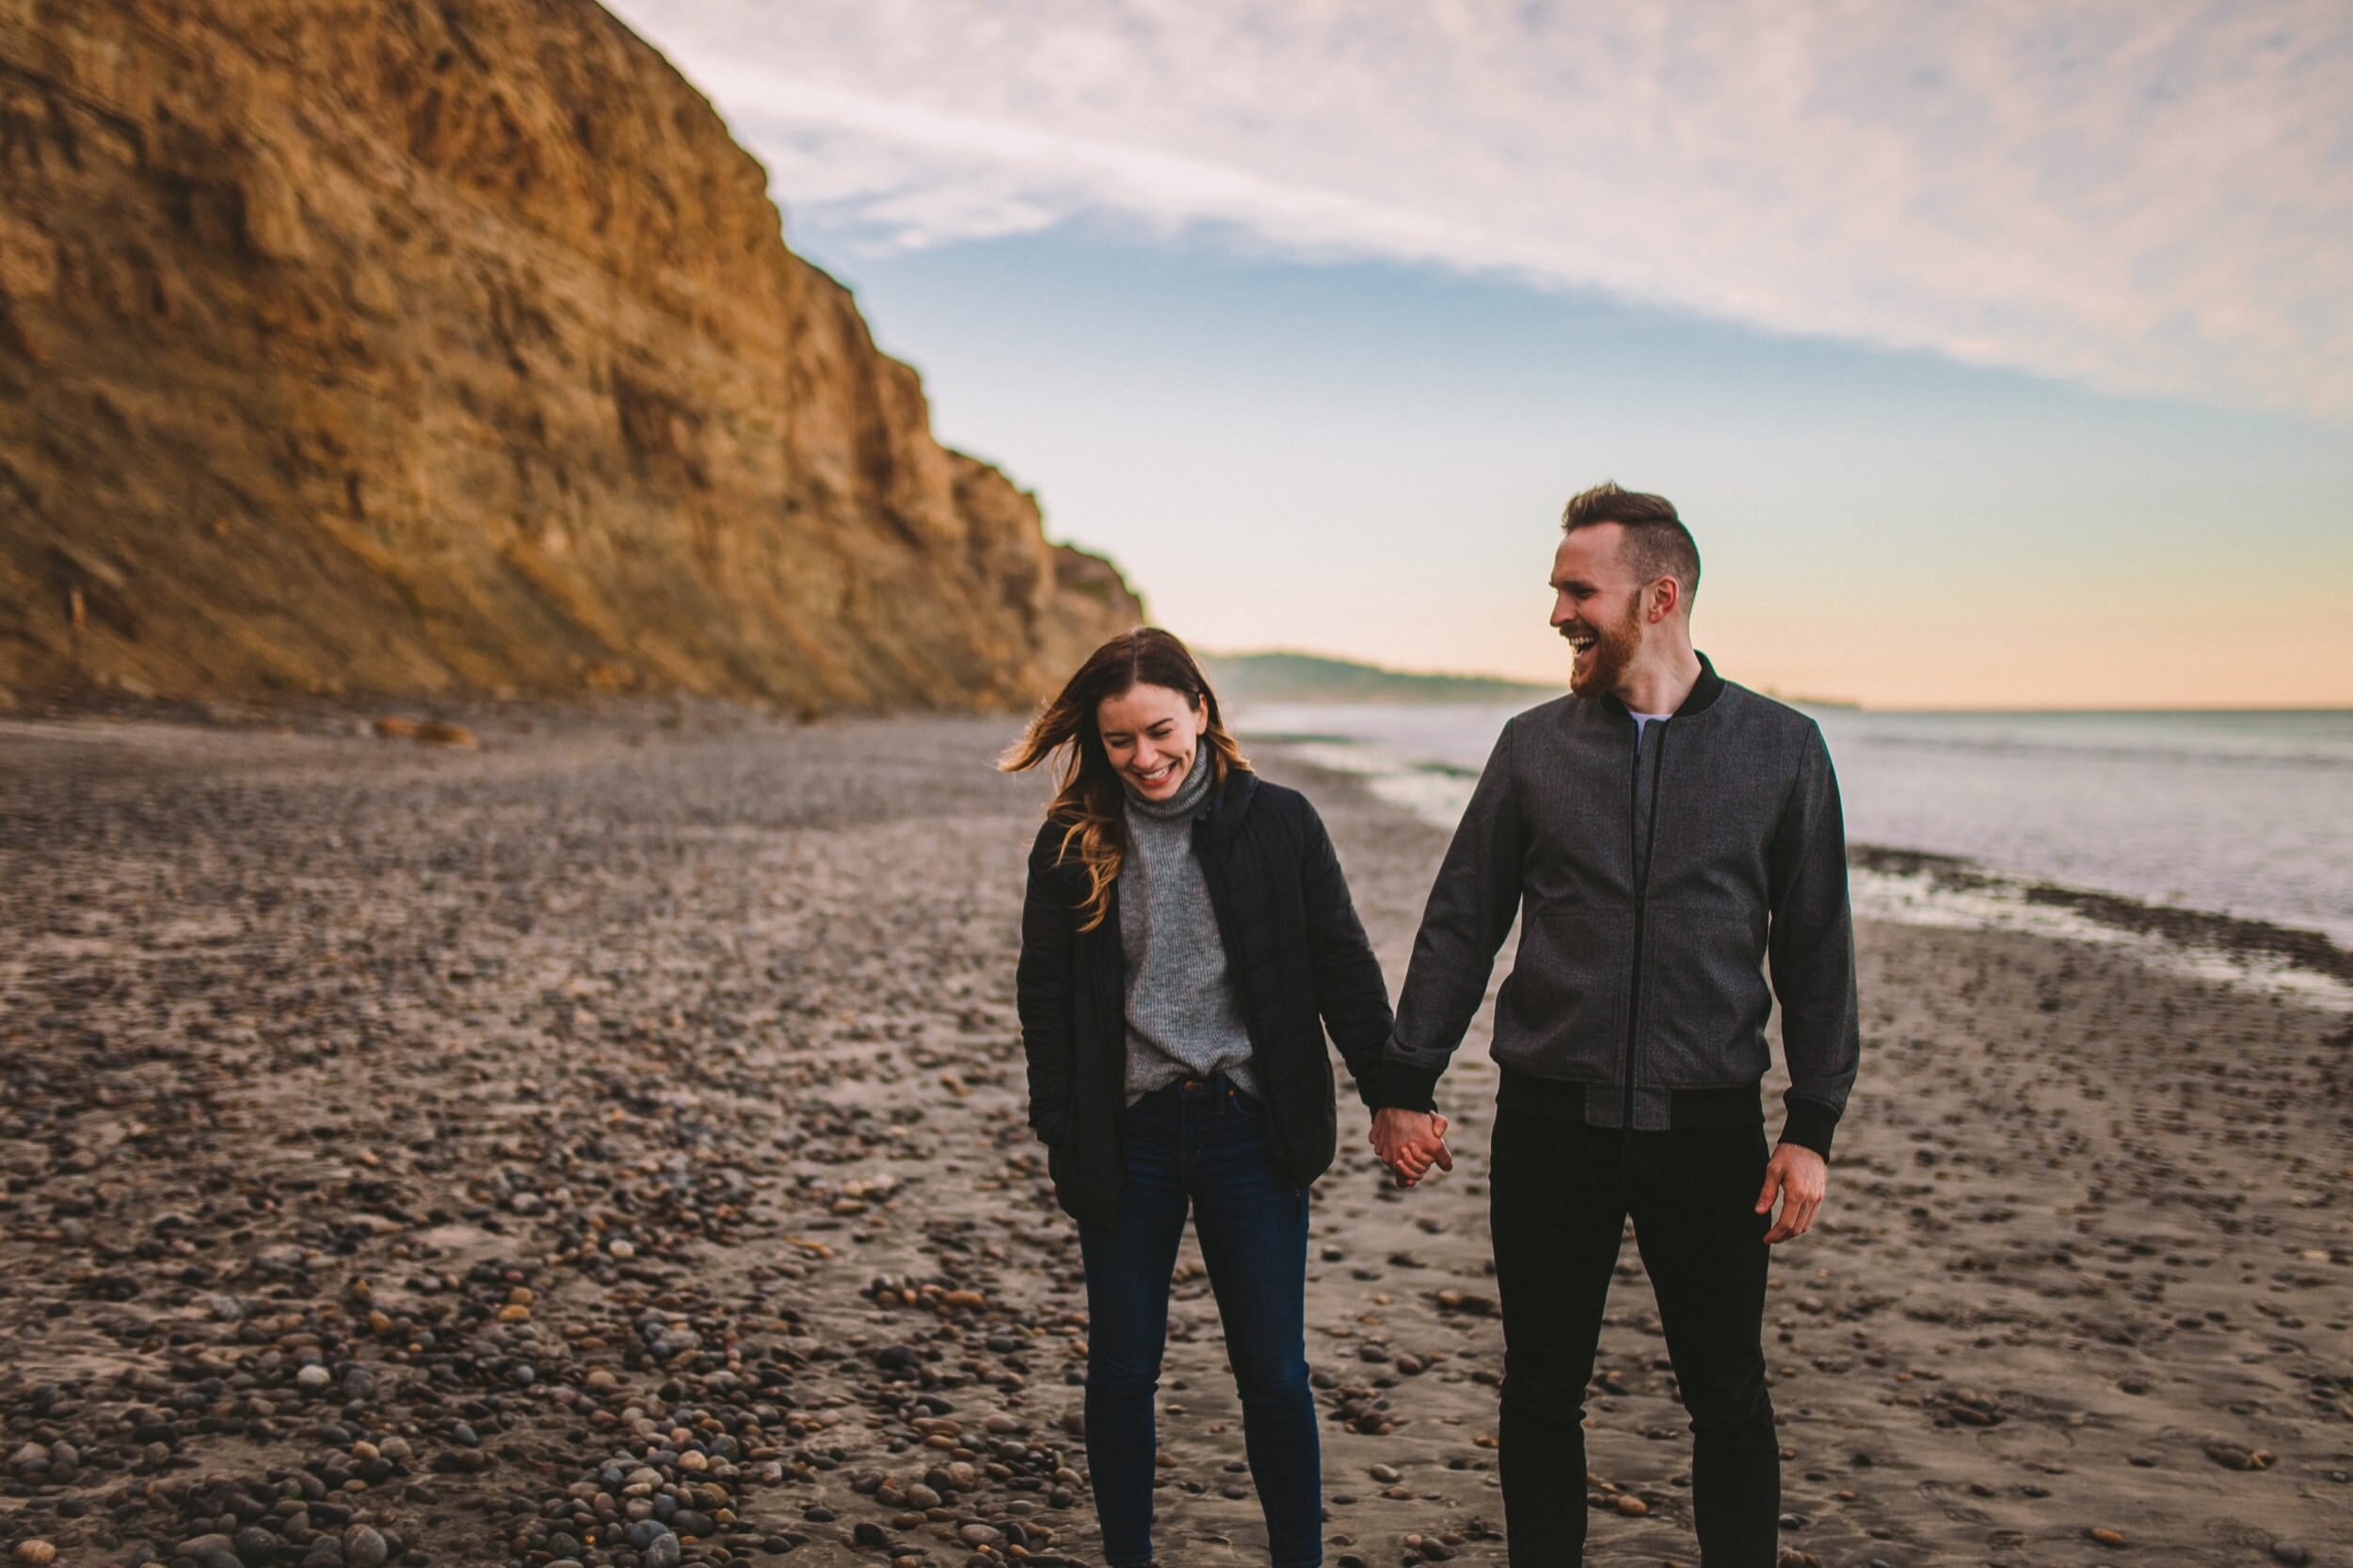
1286 676
1290 677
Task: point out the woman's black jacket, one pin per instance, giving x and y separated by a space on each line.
1299 963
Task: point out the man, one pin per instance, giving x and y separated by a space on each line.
1662 835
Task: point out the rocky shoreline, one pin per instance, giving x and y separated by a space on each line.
603 1144
2253 941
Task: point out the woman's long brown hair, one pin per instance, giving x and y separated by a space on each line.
1089 805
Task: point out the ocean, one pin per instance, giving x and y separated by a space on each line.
2242 814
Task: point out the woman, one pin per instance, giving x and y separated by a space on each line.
1187 939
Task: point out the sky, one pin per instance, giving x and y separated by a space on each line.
1999 355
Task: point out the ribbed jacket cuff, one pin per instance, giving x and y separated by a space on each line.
1398 1086
1811 1126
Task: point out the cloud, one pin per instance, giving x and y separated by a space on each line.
2144 198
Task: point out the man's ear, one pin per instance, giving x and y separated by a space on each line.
1665 594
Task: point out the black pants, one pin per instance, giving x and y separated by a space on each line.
1561 1196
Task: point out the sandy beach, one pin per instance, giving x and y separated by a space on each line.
605 1145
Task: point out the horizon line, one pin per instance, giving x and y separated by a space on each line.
1805 700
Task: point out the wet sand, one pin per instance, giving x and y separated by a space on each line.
475 1156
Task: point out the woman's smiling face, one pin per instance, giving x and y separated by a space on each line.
1151 735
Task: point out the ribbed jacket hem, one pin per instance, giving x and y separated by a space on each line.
1811 1126
1561 1100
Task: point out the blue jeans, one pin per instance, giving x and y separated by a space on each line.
1203 1145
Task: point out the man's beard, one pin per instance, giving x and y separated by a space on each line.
1614 648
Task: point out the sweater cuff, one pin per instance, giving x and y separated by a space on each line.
1810 1126
1398 1086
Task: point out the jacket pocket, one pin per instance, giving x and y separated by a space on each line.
1299 1108
1561 1014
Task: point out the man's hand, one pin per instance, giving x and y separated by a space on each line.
1410 1142
1799 1178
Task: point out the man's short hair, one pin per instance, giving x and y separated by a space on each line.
1656 543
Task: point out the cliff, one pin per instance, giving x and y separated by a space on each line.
404 346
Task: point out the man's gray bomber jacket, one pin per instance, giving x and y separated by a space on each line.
1655 880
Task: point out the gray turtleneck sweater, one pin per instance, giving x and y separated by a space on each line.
1183 1020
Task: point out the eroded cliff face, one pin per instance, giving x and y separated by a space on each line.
440 345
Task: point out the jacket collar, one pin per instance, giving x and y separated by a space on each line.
1221 817
1702 695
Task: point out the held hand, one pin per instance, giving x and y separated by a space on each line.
1410 1142
1799 1178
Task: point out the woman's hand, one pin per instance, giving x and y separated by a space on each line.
1410 1142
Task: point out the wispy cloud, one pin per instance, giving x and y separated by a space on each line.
2152 198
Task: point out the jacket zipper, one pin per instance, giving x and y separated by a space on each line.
1641 895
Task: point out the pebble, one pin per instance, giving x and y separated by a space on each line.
2294 1554
36 1553
364 1547
445 732
2231 1457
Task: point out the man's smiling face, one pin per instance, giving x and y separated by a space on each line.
1596 604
